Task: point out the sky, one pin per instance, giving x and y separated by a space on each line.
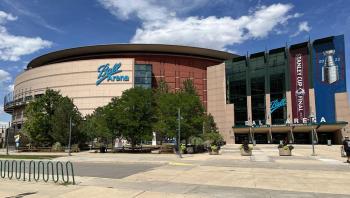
30 28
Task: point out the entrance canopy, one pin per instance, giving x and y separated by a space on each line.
320 127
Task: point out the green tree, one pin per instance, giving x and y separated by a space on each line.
192 112
134 113
60 122
48 119
209 124
188 87
166 114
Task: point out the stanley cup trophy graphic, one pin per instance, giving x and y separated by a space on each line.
330 72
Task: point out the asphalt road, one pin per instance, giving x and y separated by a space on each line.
111 170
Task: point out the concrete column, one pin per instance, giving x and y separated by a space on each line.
249 109
312 102
289 106
268 108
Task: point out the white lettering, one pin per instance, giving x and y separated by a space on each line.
296 121
305 120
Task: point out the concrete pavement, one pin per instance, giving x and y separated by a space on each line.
265 174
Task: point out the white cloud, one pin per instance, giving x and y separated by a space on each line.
3 124
303 27
4 17
11 87
160 24
4 76
12 47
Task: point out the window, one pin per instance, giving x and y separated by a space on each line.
143 75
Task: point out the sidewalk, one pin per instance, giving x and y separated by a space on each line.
265 174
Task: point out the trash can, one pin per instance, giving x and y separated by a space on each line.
103 149
329 142
254 142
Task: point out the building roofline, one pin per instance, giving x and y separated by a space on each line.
95 51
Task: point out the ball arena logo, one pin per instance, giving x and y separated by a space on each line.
105 72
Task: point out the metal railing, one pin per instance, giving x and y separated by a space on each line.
36 170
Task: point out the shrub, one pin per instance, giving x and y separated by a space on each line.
183 147
75 148
196 141
246 147
213 138
57 147
286 147
214 148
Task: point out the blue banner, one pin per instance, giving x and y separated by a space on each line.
328 75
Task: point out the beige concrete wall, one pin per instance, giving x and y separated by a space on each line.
223 113
312 101
249 110
289 106
342 112
268 108
77 80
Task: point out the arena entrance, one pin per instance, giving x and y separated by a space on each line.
241 137
302 138
260 138
278 137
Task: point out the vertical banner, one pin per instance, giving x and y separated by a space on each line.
329 75
299 83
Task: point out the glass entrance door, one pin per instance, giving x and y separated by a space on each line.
277 137
239 138
323 137
260 138
302 137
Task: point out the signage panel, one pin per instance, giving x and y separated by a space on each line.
299 84
329 75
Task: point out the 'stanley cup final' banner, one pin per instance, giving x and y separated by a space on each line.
299 84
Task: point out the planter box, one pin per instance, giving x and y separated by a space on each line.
246 153
284 152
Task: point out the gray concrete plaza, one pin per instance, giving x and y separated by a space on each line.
265 174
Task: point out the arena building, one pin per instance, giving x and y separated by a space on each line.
295 92
92 75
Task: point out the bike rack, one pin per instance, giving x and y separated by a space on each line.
36 170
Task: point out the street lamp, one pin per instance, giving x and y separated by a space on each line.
311 117
179 131
70 136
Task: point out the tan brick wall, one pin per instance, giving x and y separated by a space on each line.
77 80
342 111
222 113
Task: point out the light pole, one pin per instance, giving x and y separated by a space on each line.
312 133
70 136
7 139
179 131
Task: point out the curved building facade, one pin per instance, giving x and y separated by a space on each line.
294 93
92 75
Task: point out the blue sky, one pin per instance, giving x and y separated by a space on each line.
34 27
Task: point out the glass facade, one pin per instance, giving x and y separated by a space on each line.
277 63
143 75
257 74
236 72
261 74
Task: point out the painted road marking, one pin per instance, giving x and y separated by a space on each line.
179 164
